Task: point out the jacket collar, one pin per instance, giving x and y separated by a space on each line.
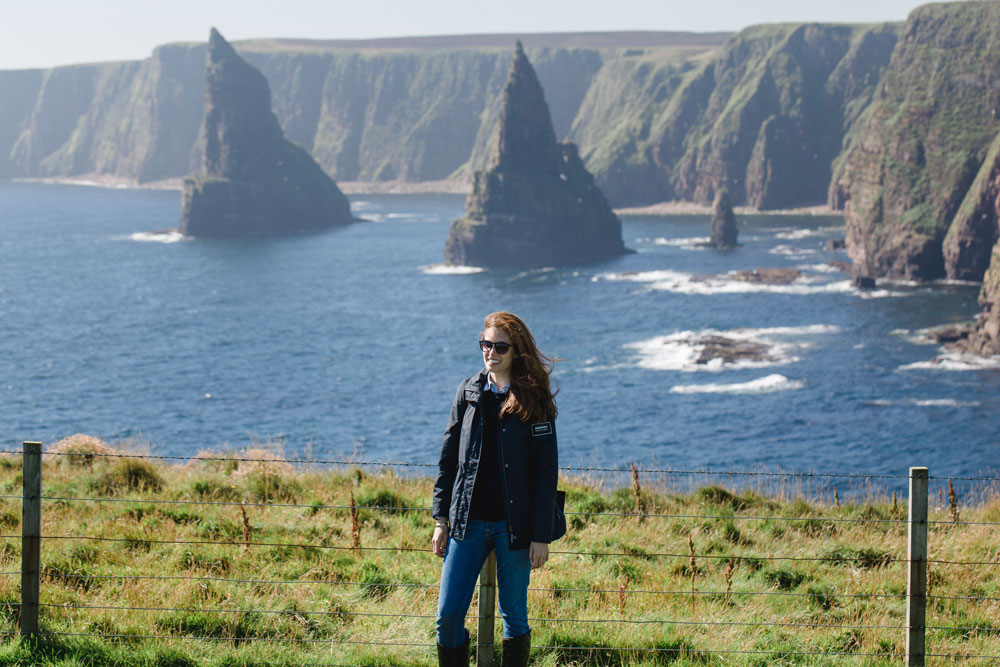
474 386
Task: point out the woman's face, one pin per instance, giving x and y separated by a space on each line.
496 363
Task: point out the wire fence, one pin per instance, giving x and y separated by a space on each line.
871 560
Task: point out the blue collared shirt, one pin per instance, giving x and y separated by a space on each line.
498 391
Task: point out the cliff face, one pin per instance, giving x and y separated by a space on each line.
767 115
766 118
973 232
985 338
930 127
535 204
254 182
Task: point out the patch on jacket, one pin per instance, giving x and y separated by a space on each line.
542 428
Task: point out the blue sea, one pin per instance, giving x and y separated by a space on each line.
351 342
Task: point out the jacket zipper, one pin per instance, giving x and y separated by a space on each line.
503 480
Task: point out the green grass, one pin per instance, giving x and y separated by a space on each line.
289 573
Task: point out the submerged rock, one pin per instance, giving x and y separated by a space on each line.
863 282
535 204
762 276
724 232
254 182
730 350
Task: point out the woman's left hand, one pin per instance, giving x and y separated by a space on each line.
538 553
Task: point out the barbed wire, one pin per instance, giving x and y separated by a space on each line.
292 612
939 561
962 597
390 508
271 582
625 554
413 464
879 561
392 584
629 649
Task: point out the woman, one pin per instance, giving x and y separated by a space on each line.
495 487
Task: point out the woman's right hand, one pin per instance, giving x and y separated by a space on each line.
439 543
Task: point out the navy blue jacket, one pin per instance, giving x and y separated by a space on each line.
529 469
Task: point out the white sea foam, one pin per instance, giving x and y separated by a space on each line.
448 270
793 234
791 251
169 236
690 243
955 361
765 385
923 403
820 268
685 283
681 351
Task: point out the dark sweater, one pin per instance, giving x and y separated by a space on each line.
487 497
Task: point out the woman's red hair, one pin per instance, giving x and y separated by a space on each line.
530 398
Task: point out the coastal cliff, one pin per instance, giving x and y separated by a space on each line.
767 117
254 182
535 204
929 131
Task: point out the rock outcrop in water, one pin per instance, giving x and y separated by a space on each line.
724 232
535 204
254 182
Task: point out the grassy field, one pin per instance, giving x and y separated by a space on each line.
291 578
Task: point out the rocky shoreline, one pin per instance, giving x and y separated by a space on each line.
445 186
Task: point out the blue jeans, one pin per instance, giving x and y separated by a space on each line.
462 562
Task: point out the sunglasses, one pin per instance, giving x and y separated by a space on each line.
487 345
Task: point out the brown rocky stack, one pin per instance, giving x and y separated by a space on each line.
724 231
254 182
535 204
985 337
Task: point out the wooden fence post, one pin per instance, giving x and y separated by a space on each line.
487 611
916 573
31 534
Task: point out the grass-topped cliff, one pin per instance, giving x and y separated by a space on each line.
411 110
781 578
933 120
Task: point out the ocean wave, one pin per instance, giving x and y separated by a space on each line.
449 270
765 385
689 243
796 234
684 351
954 361
687 283
821 268
923 403
791 251
167 236
707 285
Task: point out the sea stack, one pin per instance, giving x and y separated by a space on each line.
724 231
253 181
535 204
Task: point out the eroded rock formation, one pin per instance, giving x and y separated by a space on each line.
254 182
724 233
975 229
535 204
930 129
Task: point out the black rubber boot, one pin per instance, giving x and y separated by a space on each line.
454 657
515 651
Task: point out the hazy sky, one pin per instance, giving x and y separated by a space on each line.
56 32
